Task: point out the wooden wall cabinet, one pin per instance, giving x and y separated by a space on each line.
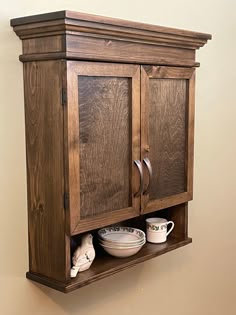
109 111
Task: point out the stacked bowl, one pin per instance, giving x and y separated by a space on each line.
121 241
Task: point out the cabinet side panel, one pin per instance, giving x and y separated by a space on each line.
45 178
179 215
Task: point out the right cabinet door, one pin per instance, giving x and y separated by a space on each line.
167 127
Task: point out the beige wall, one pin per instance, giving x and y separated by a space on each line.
196 280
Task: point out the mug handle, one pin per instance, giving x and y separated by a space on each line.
170 222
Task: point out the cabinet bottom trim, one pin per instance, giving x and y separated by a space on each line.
106 265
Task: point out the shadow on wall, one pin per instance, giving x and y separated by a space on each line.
126 283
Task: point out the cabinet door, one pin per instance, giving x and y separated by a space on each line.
103 141
167 122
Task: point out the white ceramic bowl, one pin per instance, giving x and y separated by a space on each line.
121 234
116 244
122 252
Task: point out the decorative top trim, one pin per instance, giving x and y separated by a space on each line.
68 22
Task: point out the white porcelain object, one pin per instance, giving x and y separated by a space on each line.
157 230
121 234
122 252
116 244
83 256
122 246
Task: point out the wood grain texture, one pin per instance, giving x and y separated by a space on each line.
105 219
48 44
103 127
163 203
67 219
105 144
112 49
106 49
161 72
73 17
179 215
167 136
45 169
167 124
144 122
106 265
89 37
190 138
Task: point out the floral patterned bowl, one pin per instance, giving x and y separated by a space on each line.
121 241
121 235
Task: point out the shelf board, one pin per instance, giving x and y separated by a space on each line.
106 265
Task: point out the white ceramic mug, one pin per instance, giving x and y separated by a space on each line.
157 229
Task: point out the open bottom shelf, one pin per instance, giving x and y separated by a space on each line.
106 265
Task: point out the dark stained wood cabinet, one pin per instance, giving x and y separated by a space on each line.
109 112
167 115
102 143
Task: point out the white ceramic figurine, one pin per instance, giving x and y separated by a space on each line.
83 255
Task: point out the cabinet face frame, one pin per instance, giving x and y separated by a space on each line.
75 224
163 72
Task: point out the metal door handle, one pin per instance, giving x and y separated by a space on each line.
140 169
148 165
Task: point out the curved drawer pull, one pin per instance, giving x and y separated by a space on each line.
147 163
140 169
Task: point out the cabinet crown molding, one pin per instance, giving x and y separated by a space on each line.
66 34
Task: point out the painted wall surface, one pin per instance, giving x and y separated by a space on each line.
199 279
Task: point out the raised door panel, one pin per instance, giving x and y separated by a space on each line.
103 124
167 135
105 144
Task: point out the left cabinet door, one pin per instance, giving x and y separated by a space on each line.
102 143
